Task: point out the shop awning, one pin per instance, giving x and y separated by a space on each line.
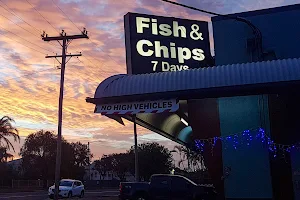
277 76
219 81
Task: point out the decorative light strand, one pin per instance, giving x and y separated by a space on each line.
245 137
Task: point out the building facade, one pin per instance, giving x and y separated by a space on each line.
242 114
263 176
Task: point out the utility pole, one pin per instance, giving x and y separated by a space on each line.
66 39
136 153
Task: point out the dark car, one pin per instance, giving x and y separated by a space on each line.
166 187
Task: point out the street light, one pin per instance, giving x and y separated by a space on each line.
185 122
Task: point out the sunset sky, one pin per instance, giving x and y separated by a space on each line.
30 82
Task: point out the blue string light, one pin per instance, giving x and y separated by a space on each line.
247 136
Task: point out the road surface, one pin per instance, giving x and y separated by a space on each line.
42 195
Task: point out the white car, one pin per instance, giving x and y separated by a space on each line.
68 188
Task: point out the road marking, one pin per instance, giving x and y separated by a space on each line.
43 195
8 197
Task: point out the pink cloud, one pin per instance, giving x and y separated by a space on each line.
34 97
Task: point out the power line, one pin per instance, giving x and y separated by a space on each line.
99 70
17 24
256 31
80 30
76 46
42 16
23 44
83 78
76 27
197 9
66 16
12 12
9 10
24 39
33 73
104 52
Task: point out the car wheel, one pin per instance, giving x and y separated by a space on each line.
200 198
81 194
140 197
70 195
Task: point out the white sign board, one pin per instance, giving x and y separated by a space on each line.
130 108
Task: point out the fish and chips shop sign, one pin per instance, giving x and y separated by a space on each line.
162 44
130 108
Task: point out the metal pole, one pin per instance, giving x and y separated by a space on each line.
60 107
89 162
136 150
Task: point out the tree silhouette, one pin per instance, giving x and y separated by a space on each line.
153 159
118 163
8 130
194 160
39 157
104 165
4 156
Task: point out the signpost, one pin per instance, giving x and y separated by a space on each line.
162 44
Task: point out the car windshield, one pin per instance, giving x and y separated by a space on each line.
190 181
66 183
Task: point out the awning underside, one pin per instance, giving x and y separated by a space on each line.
169 125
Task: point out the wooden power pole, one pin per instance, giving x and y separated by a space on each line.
66 39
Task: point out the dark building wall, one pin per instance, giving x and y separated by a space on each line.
205 123
280 28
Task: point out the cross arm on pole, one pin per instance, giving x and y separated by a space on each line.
67 37
60 56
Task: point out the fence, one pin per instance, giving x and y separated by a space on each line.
4 184
97 184
21 184
36 184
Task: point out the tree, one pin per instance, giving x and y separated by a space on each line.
39 157
81 153
77 157
119 164
153 159
194 160
4 156
104 165
8 130
38 154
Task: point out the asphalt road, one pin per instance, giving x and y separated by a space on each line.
42 195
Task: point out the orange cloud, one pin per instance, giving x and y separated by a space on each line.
30 82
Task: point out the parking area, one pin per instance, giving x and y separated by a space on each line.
42 195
